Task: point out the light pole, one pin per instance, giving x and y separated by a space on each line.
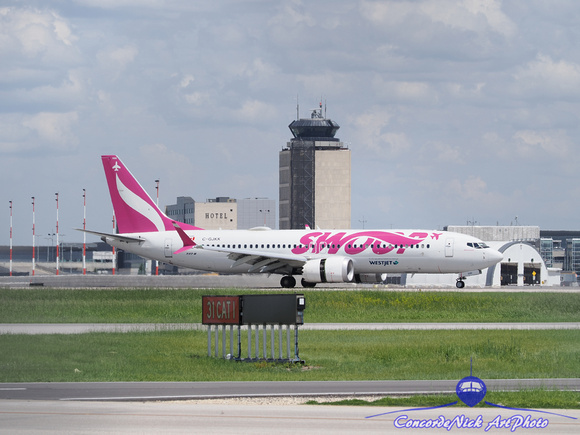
472 223
363 221
49 249
265 213
84 233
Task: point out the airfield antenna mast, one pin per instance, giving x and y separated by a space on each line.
33 237
84 233
157 262
114 232
297 108
57 255
10 238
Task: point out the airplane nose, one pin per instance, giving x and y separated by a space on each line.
494 256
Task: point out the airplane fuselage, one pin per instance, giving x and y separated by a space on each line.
371 251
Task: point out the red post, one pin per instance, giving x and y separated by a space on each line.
57 255
114 257
157 262
33 238
84 234
10 238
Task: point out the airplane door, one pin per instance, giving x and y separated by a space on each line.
449 248
168 248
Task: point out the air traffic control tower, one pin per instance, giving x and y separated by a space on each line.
314 176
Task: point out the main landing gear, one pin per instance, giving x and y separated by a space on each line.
288 281
460 283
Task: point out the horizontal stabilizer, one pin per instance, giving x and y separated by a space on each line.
119 237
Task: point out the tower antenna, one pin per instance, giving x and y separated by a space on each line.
297 108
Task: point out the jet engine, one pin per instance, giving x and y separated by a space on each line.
331 269
370 278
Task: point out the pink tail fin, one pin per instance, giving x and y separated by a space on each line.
135 211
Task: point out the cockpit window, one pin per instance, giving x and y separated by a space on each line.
478 245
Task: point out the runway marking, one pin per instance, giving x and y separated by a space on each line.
185 398
12 389
192 416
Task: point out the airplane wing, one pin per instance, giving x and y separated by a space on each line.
119 237
261 261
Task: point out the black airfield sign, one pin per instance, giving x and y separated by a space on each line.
285 309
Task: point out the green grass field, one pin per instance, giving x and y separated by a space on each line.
528 399
329 355
184 306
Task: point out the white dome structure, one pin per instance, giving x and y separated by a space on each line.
522 265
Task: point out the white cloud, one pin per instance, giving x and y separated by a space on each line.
544 76
117 4
538 144
439 29
63 31
472 193
33 32
372 134
447 153
54 128
197 98
405 91
115 60
255 111
186 80
474 15
291 15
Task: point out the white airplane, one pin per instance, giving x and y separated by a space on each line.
319 256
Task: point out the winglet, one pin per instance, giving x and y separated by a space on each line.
188 243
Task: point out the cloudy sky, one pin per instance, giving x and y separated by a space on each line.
455 111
